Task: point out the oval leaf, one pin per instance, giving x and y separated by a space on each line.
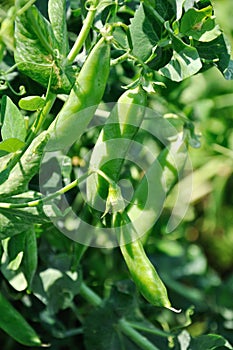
11 145
13 121
32 103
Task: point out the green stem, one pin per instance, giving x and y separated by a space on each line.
153 330
83 33
48 198
89 295
155 13
120 59
106 177
25 7
50 99
136 337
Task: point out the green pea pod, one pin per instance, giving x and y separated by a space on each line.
79 108
114 141
141 269
15 325
26 168
150 194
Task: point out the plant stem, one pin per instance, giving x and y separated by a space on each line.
120 59
50 99
136 337
38 201
25 7
89 295
83 33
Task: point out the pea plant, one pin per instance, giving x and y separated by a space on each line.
92 155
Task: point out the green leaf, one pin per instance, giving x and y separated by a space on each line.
15 325
209 342
56 288
11 145
11 261
57 16
13 121
184 63
144 33
32 103
24 170
37 52
30 258
215 53
12 224
200 24
99 330
15 221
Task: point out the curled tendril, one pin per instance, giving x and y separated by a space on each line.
22 89
91 5
3 84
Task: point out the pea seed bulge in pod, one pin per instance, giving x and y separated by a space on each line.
116 174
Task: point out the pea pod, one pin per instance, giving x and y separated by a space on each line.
141 269
114 140
150 194
79 108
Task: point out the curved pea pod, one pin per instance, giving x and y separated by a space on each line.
79 108
26 168
15 325
149 196
141 269
114 141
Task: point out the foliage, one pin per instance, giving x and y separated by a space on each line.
58 289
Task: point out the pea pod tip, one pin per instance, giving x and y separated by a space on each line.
174 310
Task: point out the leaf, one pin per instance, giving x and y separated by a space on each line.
144 33
15 325
99 330
184 340
12 224
30 258
209 342
56 288
179 8
37 52
11 261
11 145
215 53
200 24
15 221
165 9
13 121
31 103
26 168
228 73
57 16
184 63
